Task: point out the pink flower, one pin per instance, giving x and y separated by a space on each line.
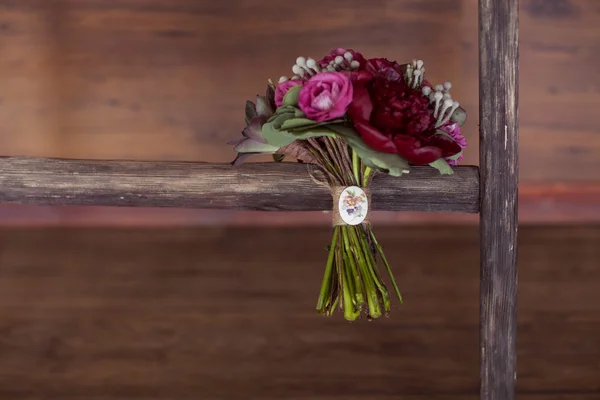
326 96
453 130
282 89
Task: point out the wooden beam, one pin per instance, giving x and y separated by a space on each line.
498 102
253 186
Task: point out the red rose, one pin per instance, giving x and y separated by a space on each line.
393 118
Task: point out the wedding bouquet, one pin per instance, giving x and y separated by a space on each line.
352 117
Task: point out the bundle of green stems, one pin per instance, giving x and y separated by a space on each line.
352 280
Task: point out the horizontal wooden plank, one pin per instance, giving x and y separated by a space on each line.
254 186
538 204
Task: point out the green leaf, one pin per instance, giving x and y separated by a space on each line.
295 112
302 124
291 97
344 130
274 135
296 123
252 146
314 132
442 165
459 116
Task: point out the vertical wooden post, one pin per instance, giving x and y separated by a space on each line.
498 113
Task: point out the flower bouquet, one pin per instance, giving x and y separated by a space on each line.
351 117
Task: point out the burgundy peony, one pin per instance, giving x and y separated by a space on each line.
341 52
394 118
325 96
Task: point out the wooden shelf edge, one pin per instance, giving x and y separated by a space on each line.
254 186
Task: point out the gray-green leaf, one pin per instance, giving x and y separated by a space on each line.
291 97
459 116
442 165
252 146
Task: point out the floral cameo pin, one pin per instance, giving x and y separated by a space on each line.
353 205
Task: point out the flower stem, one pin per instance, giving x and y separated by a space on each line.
387 265
367 176
353 268
373 268
364 265
356 168
326 284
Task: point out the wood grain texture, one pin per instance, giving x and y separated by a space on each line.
498 157
256 186
227 314
557 204
166 80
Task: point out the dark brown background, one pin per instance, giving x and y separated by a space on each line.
167 80
217 313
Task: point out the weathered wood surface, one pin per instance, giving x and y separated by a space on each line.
228 314
498 157
253 186
538 204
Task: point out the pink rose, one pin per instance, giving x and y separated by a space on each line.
326 96
282 89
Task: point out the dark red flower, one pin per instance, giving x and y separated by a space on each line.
393 118
341 52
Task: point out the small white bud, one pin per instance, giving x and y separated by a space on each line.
419 64
426 91
296 69
283 79
339 60
348 56
447 86
438 96
439 88
354 64
310 63
301 61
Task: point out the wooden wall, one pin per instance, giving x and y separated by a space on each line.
167 79
206 314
